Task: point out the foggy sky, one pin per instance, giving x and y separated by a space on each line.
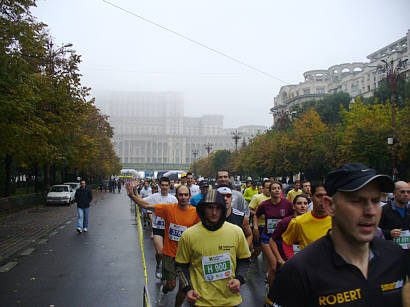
121 52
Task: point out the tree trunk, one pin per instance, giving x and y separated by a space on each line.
47 177
36 178
7 185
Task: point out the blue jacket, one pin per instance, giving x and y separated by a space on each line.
196 199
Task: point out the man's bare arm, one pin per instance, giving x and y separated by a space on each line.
247 230
138 200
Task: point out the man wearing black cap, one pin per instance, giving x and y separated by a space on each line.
213 256
349 266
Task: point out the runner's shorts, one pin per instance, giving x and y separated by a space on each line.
158 232
168 268
265 237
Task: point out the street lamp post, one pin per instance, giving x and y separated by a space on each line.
52 53
195 152
208 148
236 135
392 77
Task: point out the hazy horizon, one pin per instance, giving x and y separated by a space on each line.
122 52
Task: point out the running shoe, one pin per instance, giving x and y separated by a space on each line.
158 272
79 230
85 229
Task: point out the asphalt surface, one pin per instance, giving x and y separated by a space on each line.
100 268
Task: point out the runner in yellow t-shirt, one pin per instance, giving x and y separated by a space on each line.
308 227
213 256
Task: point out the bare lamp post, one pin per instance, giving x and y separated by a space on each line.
195 152
236 135
208 148
392 77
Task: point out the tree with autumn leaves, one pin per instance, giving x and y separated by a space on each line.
319 139
49 126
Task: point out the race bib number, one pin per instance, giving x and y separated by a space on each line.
271 224
404 239
296 248
217 267
159 222
175 231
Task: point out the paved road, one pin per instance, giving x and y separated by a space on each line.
99 268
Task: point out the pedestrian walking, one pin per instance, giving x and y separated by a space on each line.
83 198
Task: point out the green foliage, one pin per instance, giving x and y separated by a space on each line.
46 115
329 132
328 107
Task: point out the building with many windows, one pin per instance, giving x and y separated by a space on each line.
151 131
352 78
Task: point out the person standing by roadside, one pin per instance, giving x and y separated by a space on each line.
83 198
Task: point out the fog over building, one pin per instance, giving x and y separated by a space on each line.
355 79
151 131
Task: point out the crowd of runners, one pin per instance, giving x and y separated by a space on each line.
343 242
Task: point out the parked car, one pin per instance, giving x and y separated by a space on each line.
60 194
74 186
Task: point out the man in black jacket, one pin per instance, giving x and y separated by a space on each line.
83 197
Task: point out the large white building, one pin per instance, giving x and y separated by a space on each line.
151 131
352 78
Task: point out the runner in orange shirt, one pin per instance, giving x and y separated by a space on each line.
178 217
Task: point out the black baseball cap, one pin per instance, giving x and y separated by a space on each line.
353 176
204 183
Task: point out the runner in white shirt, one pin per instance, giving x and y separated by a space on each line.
158 224
190 183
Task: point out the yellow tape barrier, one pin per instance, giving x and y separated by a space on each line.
147 300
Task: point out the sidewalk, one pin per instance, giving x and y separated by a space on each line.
21 229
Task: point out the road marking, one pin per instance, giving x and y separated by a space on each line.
52 234
42 241
27 252
7 267
62 227
68 222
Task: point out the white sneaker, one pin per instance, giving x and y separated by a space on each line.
85 229
79 230
158 272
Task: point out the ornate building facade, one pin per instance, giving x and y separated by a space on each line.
352 78
151 131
